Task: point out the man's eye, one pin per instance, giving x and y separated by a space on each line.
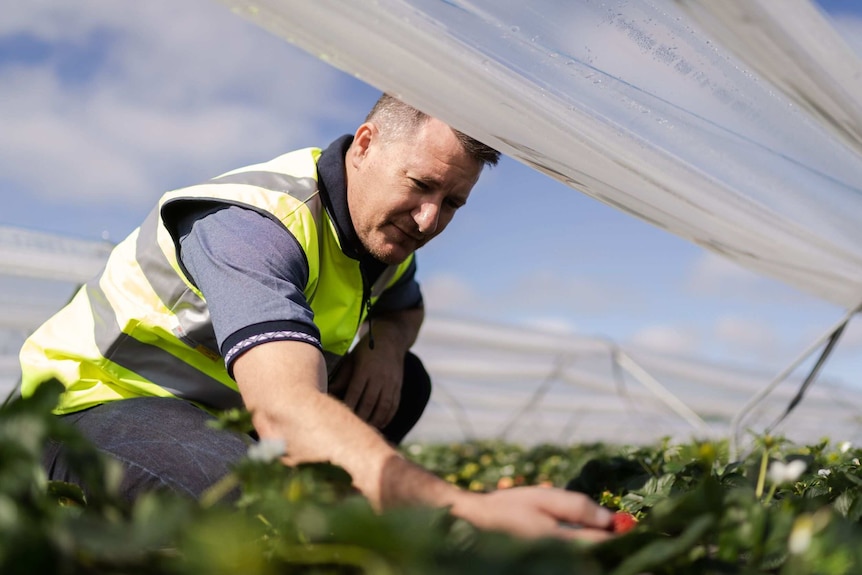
419 184
454 204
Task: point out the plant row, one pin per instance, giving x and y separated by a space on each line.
783 509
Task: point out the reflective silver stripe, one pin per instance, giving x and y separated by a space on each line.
303 189
195 327
300 188
151 362
158 271
192 313
194 323
380 285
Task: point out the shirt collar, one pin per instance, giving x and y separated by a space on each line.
332 183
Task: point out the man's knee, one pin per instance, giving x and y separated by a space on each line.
417 384
161 443
415 394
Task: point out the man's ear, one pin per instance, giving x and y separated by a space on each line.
362 141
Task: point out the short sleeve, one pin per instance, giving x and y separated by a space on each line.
252 273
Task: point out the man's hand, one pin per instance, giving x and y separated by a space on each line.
370 381
533 512
282 384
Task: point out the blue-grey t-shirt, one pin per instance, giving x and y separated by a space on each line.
252 271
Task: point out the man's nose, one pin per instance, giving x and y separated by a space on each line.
427 217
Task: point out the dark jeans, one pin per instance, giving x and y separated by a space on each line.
165 443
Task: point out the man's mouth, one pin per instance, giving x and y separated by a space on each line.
418 238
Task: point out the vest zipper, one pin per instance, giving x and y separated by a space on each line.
370 322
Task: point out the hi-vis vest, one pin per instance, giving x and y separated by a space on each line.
142 328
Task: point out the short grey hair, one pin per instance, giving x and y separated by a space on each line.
395 119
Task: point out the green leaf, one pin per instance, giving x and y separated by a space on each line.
67 494
236 419
661 552
613 474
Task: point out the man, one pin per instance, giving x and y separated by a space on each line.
250 290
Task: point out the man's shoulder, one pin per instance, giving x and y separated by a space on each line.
303 160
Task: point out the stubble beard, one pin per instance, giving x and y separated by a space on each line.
383 250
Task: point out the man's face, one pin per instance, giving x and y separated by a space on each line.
404 192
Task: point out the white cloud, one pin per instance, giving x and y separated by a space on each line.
53 21
555 325
747 337
178 91
666 339
729 338
537 298
713 274
550 290
448 293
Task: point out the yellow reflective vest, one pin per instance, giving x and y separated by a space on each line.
141 327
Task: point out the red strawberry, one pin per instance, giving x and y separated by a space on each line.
624 521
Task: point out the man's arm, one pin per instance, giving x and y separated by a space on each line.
370 380
283 383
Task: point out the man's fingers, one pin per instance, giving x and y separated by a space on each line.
370 403
369 400
586 534
577 509
355 392
384 412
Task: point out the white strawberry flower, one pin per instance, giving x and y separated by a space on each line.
844 446
267 450
780 472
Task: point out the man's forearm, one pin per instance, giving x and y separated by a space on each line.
280 383
283 385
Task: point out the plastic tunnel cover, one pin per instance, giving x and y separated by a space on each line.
639 105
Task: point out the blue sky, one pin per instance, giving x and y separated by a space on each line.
106 105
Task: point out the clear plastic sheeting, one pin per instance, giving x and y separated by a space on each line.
39 272
28 253
639 105
494 381
800 54
526 386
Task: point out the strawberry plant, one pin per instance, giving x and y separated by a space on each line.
786 510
